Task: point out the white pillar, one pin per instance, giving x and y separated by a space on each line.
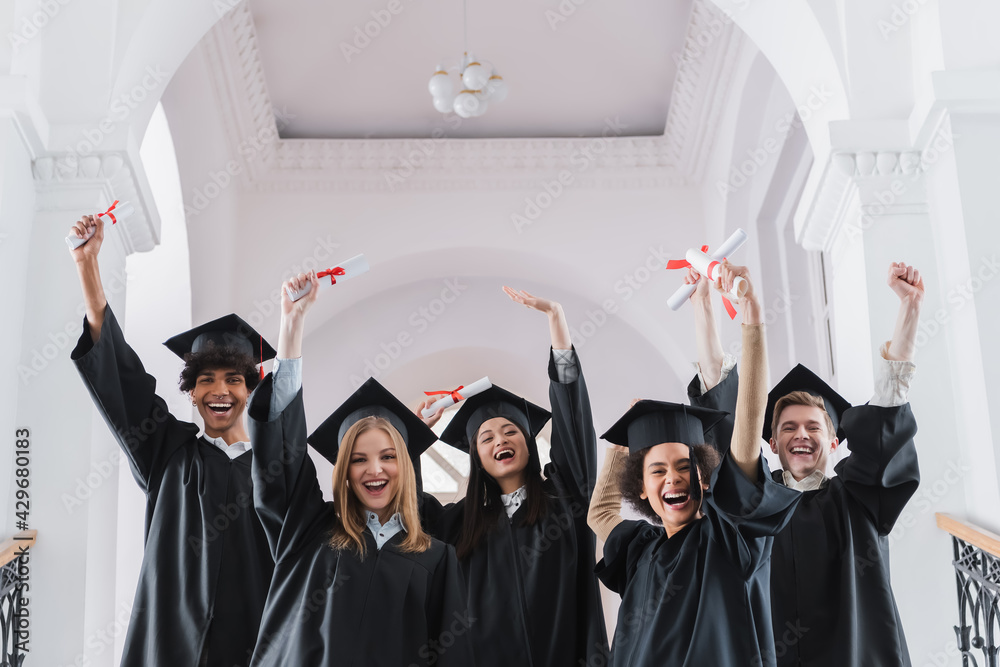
74 468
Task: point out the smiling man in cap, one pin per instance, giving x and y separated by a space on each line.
206 566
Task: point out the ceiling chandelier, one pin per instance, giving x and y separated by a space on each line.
481 85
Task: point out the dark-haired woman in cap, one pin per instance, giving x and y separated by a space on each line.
522 538
694 582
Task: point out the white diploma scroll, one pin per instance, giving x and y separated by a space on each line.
121 211
709 268
732 244
346 270
448 400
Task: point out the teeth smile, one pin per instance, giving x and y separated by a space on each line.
801 450
503 454
376 484
675 498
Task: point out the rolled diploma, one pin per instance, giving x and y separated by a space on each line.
353 267
732 244
477 387
708 267
121 212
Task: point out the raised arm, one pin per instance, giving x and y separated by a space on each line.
710 354
906 282
882 473
90 273
574 441
121 388
606 504
558 328
287 495
751 401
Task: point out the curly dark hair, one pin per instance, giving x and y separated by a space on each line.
213 357
630 482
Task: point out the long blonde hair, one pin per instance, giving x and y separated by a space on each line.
349 531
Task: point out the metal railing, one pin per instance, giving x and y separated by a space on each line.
977 573
14 619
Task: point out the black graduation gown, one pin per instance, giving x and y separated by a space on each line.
331 608
700 597
533 588
206 564
720 397
832 599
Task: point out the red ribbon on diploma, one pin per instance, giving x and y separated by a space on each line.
684 264
336 271
109 213
455 396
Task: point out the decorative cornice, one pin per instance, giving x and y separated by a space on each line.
705 70
849 172
704 74
112 173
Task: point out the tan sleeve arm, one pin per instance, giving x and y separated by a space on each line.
751 401
606 503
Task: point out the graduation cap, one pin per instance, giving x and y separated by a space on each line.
649 423
801 378
227 331
372 400
494 402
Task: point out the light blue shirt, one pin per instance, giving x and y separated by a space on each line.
287 380
384 533
567 370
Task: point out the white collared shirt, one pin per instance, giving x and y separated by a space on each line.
892 388
815 480
232 451
385 532
512 501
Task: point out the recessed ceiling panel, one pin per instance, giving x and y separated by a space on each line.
573 68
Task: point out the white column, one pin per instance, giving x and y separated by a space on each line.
74 490
874 208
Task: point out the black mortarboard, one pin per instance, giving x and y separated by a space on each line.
494 402
372 400
801 378
649 423
227 331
